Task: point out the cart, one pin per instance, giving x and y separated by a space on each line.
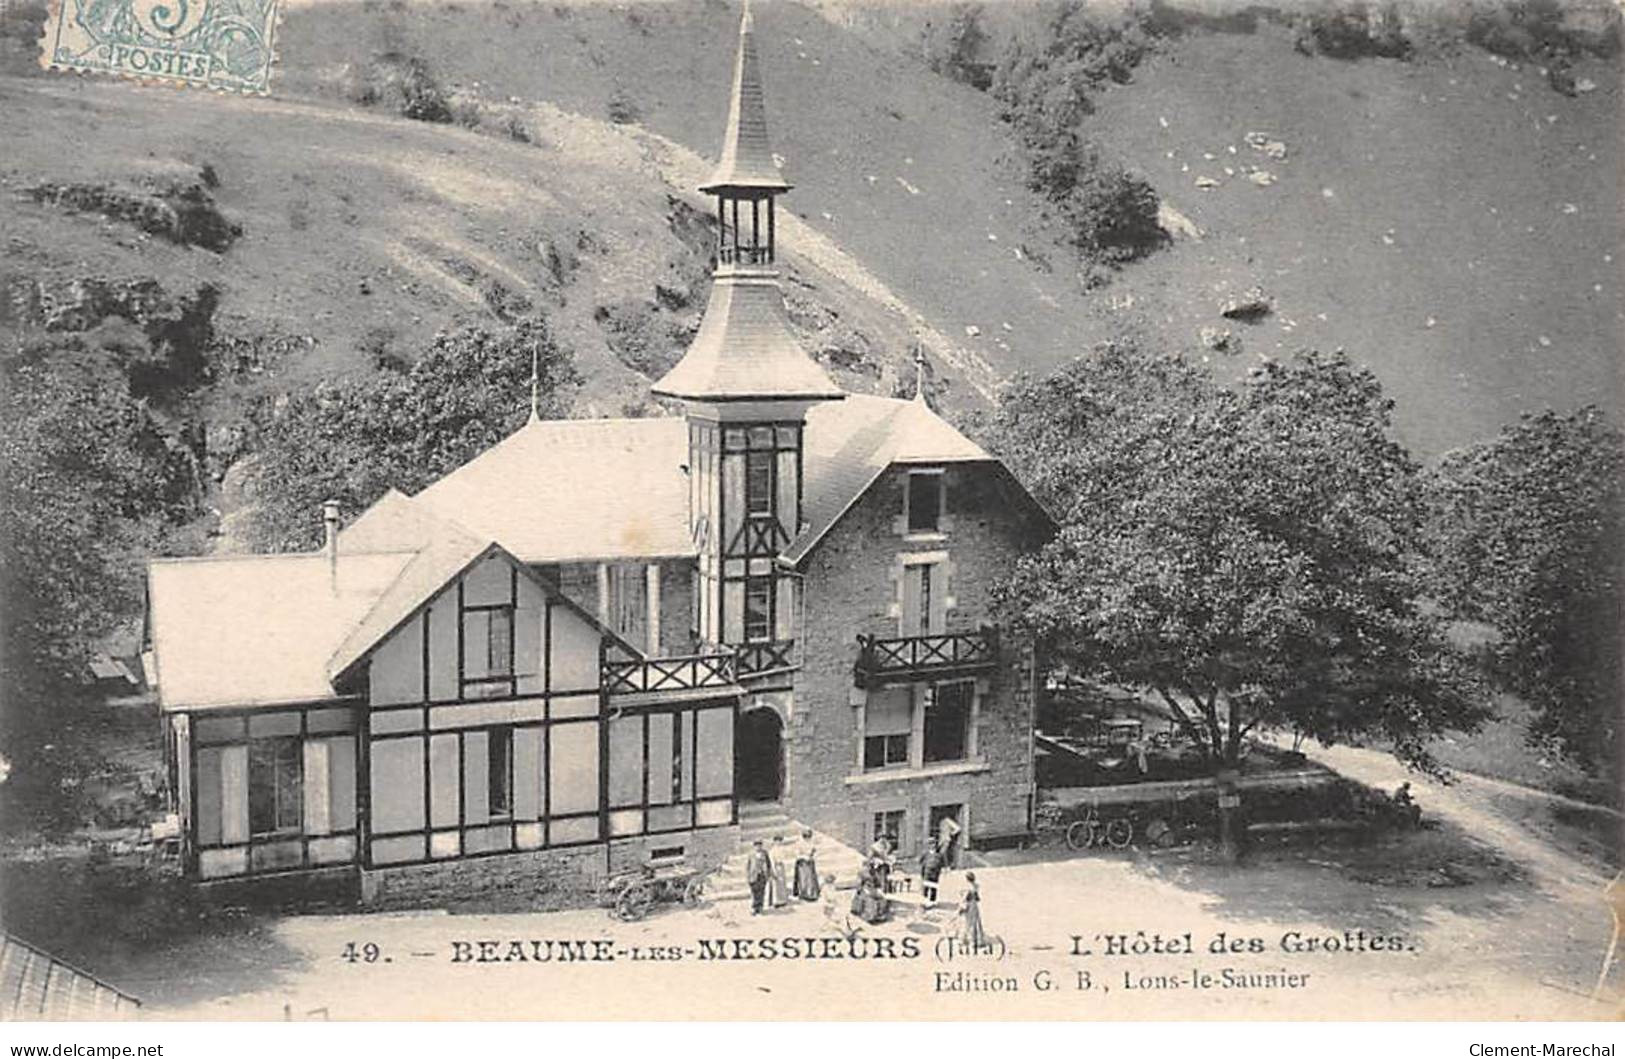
630 895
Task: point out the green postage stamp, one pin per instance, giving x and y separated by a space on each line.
227 45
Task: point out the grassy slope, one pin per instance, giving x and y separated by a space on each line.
1468 168
853 123
1385 137
860 126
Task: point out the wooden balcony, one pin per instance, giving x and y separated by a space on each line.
771 656
905 659
684 673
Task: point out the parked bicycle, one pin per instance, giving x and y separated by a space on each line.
1091 832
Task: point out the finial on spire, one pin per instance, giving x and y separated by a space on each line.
919 374
535 382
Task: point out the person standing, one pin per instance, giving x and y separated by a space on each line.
805 883
778 891
930 871
758 870
971 934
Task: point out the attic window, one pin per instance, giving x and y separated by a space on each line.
924 501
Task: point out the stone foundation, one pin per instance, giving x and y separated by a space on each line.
542 879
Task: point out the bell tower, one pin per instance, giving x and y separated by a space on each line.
746 386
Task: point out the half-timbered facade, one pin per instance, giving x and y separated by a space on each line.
590 644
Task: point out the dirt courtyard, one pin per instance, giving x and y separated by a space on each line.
1471 918
1482 914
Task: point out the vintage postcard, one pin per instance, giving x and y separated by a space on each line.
819 509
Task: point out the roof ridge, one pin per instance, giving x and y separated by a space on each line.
176 560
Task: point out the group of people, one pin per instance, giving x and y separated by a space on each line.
871 904
765 873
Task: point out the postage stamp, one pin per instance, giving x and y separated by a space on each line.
228 45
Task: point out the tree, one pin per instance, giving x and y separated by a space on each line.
403 427
88 484
1529 532
1245 556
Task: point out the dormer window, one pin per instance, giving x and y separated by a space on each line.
924 501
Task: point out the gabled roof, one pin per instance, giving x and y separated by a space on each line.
747 152
393 523
450 552
257 629
263 630
744 350
851 443
571 490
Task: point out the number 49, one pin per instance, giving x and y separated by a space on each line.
366 953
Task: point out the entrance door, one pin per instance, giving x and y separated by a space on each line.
940 815
759 756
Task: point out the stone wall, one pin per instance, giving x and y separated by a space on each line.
851 588
542 879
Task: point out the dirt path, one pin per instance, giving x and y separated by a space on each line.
1467 803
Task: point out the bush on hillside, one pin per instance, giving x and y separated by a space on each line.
957 47
1108 213
1355 31
623 109
402 83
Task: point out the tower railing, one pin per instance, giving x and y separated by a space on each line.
728 254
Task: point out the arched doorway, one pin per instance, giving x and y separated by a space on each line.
759 756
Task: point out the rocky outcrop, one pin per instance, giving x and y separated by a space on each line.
184 213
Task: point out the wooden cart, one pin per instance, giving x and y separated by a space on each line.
630 895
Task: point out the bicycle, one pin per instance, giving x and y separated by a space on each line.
1091 832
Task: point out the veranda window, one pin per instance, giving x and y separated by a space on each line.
275 786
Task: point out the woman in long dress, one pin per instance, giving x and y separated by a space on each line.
970 915
778 892
805 882
880 865
869 904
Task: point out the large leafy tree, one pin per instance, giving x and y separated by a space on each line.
89 481
1247 556
401 427
1531 542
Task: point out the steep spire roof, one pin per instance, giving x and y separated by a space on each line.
747 153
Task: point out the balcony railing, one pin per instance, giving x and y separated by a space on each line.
683 673
907 658
757 658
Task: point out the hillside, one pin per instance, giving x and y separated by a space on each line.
910 174
379 230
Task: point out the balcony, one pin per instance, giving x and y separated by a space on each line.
684 673
905 659
756 659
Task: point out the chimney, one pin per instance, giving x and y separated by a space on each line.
330 519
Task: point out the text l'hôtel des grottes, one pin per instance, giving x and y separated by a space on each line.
608 950
1141 943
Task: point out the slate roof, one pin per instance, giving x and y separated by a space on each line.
744 349
747 152
257 630
572 490
850 443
